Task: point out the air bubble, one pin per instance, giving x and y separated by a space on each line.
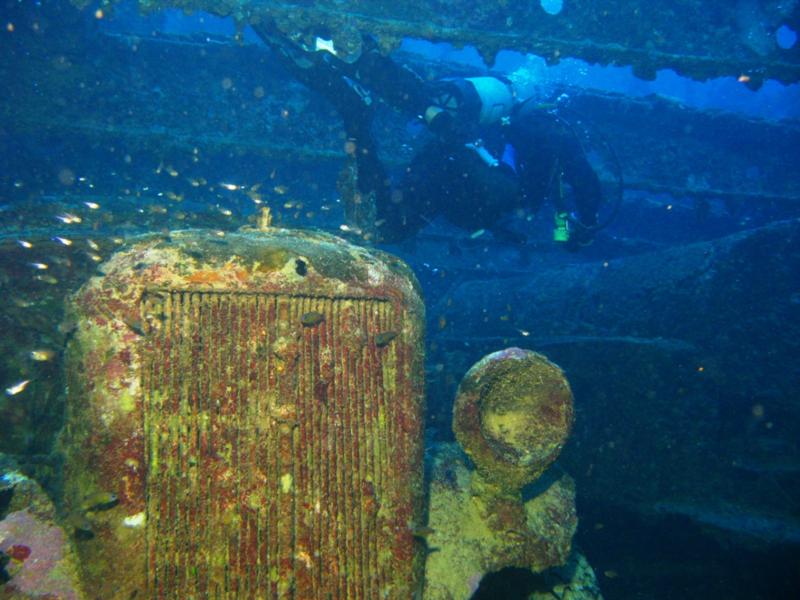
552 7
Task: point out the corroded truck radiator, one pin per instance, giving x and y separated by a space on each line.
256 408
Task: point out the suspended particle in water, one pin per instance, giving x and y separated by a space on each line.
552 7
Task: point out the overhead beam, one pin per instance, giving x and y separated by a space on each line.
695 38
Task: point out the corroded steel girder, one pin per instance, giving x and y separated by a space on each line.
695 38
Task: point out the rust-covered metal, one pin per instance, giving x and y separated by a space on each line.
695 38
512 415
238 424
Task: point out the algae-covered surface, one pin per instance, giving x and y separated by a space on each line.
245 412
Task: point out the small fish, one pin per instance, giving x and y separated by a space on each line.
67 327
312 318
280 189
422 532
39 266
22 302
49 279
91 205
17 387
63 241
68 219
231 187
384 338
42 355
25 244
92 244
135 326
100 501
82 529
475 235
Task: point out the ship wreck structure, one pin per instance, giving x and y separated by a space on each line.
236 401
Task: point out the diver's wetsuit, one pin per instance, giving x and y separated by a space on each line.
446 178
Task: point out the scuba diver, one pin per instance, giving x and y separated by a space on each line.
489 157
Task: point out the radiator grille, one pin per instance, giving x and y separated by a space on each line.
272 447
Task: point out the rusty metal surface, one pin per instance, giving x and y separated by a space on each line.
256 406
698 39
512 415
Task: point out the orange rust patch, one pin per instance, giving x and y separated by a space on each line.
205 277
